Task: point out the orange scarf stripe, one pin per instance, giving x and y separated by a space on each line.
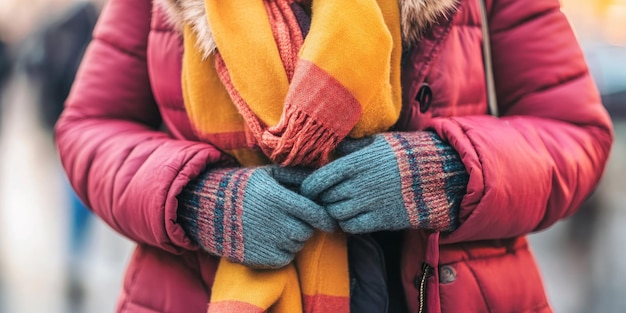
270 95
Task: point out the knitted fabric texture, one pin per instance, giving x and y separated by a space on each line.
434 180
211 210
345 81
219 230
270 90
395 181
227 211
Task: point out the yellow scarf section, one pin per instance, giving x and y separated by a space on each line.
358 43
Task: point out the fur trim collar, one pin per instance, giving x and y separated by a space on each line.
415 15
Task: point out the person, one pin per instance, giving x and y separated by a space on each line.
51 65
5 67
49 56
4 63
222 134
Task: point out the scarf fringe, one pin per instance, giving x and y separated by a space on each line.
296 122
301 140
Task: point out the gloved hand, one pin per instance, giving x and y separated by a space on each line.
247 216
391 181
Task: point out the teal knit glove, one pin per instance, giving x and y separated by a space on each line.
247 216
392 181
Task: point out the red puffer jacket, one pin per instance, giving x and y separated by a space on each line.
129 149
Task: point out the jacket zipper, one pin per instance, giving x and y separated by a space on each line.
426 273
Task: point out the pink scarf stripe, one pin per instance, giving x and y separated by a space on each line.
326 303
233 306
318 111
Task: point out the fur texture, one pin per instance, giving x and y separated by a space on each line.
191 12
415 15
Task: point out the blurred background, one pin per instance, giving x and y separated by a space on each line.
55 257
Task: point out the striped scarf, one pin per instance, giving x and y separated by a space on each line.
285 88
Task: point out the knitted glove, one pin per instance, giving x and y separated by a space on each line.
245 215
392 181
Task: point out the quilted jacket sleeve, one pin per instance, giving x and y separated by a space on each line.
544 156
121 166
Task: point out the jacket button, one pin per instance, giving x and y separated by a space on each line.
424 97
447 274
